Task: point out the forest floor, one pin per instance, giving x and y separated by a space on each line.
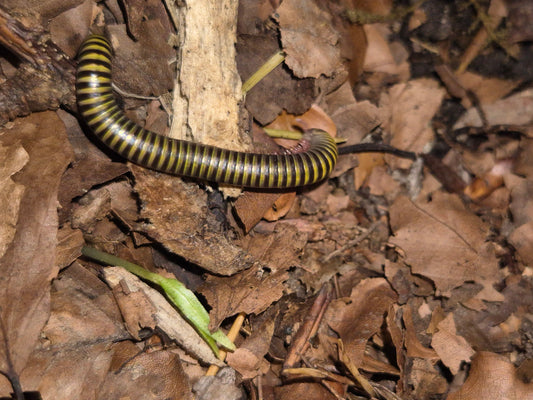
400 276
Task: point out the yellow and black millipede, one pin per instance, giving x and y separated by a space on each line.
309 162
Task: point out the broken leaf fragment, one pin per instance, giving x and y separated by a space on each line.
183 298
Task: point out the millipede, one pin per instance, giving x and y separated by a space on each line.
311 161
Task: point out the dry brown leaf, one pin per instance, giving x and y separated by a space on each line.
278 250
521 208
252 206
487 90
379 57
412 344
136 16
358 318
413 105
367 163
281 207
303 390
452 348
14 157
352 118
69 244
425 379
513 110
381 183
223 386
445 242
176 216
378 7
249 359
308 38
82 311
306 325
522 199
29 263
278 91
73 356
139 66
418 378
67 373
83 174
251 291
314 230
482 187
337 202
401 279
418 18
115 198
314 118
247 363
352 44
74 21
157 375
520 238
395 329
518 21
493 377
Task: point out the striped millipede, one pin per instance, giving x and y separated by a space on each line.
311 161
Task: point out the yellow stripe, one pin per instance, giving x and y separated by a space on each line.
231 162
202 162
183 159
155 147
135 146
93 68
223 161
164 149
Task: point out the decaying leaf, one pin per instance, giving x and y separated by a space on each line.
10 193
310 391
157 375
250 291
249 359
412 105
176 216
492 376
357 319
443 241
251 207
514 110
451 348
28 262
309 40
278 250
430 278
72 356
278 91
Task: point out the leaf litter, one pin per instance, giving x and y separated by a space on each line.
392 280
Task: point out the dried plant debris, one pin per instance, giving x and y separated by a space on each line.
395 278
39 155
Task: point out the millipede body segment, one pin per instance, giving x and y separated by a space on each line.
312 161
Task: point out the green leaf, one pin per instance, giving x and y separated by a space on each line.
184 299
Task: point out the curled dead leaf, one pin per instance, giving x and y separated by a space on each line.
493 377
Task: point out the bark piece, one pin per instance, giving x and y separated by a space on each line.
176 215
